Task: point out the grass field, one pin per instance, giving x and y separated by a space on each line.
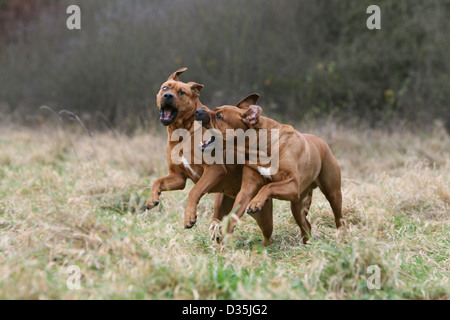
69 199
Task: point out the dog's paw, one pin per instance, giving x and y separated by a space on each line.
267 242
189 223
215 231
150 204
254 207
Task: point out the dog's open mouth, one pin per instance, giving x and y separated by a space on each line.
208 145
167 115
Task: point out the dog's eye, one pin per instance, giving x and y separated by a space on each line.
219 116
181 92
165 88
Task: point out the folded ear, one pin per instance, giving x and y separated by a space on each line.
251 116
174 76
247 102
196 87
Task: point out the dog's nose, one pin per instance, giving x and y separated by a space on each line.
198 113
201 115
168 96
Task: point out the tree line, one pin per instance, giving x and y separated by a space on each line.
307 59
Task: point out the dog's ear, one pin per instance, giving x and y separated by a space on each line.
196 88
247 102
251 116
174 76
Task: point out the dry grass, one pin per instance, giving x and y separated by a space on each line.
67 198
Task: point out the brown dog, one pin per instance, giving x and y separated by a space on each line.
177 102
304 162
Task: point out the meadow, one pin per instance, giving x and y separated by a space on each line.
70 198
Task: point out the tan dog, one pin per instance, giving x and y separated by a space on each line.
305 162
178 102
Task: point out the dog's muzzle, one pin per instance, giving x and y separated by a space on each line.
168 112
202 116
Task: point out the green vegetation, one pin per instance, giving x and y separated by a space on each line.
67 198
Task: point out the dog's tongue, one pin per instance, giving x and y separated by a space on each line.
167 114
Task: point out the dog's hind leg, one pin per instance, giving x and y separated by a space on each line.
247 192
300 210
264 218
251 183
335 199
222 207
329 182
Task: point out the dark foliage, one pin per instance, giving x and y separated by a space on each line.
308 59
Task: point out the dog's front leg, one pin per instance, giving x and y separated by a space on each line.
248 190
173 181
284 190
210 177
251 183
240 203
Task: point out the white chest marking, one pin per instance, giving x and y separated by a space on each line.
188 167
265 172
